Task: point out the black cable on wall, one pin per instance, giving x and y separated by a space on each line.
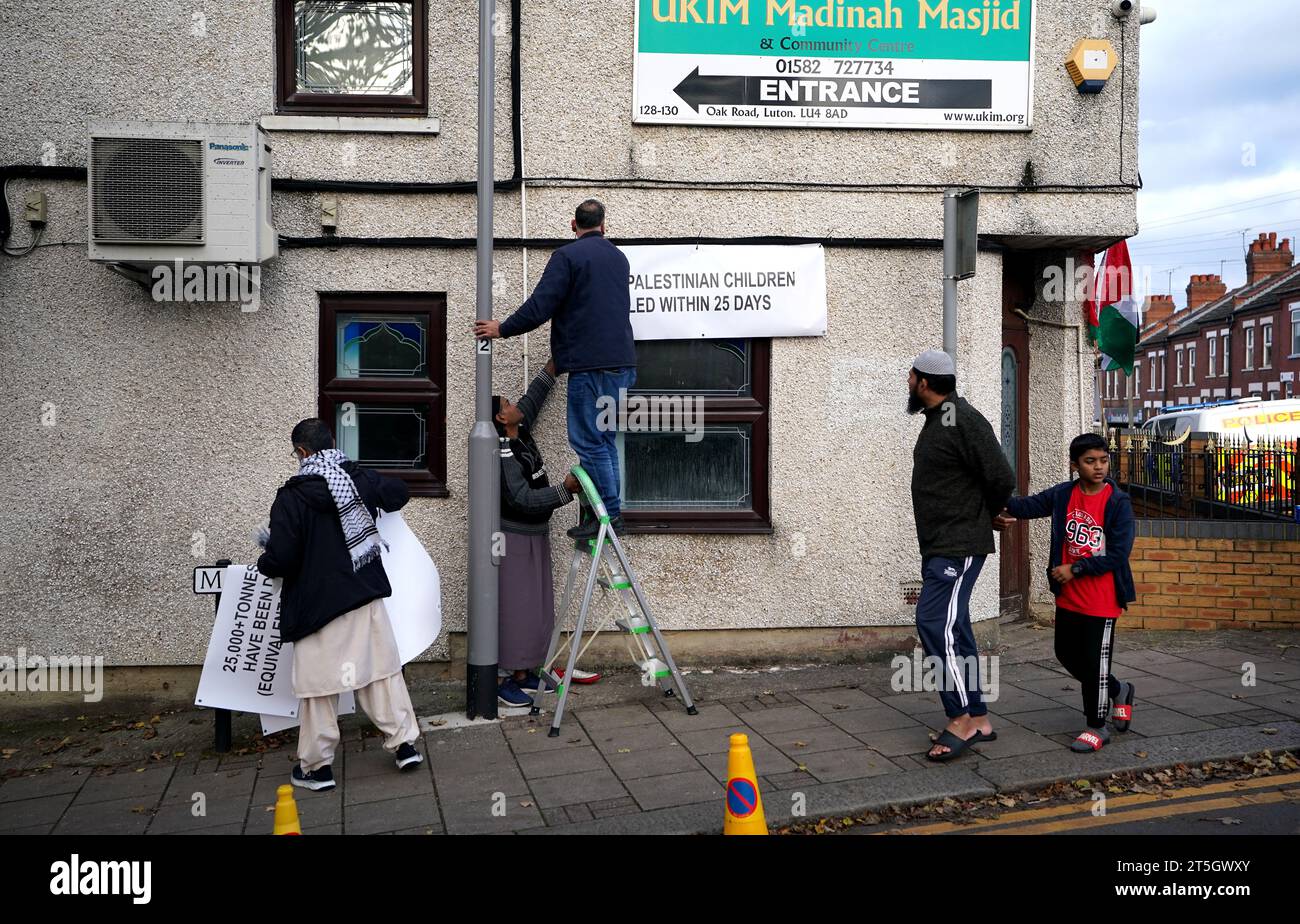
328 242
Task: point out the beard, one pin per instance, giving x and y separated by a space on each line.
914 403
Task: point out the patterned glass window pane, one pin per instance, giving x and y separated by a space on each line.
699 367
381 346
346 48
1010 409
383 436
662 471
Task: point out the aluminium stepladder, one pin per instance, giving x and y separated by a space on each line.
607 556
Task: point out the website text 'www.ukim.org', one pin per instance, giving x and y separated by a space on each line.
1018 117
1185 891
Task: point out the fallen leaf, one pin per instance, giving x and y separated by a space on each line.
1141 753
526 804
625 750
7 753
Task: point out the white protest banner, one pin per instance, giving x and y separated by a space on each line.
727 291
415 608
242 671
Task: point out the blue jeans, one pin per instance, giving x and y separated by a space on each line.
593 405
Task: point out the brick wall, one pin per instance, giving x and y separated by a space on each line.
1193 583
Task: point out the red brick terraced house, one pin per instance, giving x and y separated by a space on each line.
1223 345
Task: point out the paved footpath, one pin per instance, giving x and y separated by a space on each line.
834 738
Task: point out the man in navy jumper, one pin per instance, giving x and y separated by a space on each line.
583 292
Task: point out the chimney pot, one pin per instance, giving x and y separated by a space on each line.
1265 259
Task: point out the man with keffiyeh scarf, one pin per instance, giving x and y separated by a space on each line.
324 544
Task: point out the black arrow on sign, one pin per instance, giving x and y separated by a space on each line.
697 89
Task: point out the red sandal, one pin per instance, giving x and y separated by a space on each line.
1122 713
1090 740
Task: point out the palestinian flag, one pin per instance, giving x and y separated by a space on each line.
1113 312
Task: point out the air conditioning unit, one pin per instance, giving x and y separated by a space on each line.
199 192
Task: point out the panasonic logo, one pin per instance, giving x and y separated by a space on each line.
213 146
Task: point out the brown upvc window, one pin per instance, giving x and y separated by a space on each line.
339 57
711 475
383 383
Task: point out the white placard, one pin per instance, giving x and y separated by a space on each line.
415 608
248 668
727 291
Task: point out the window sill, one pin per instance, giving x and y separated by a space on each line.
381 125
647 522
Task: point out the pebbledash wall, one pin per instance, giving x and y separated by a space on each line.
172 419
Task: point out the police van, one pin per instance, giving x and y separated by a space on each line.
1243 419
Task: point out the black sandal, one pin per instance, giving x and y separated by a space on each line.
954 745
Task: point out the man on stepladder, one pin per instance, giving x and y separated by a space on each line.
960 480
584 293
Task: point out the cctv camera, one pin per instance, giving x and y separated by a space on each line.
1120 9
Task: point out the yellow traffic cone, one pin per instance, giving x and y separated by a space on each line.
286 812
744 811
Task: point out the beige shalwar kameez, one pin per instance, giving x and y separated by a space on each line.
356 651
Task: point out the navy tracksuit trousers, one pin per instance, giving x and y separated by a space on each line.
943 622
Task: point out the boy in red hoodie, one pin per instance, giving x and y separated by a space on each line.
1088 570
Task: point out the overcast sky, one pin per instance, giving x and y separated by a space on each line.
1220 87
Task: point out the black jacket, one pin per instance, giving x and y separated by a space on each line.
1118 528
527 495
307 549
960 479
585 293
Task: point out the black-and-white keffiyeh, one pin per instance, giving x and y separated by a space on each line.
358 526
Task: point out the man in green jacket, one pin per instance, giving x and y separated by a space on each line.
960 480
